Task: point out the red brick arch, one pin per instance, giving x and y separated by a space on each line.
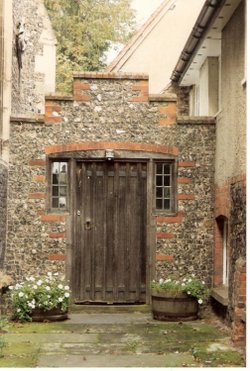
92 146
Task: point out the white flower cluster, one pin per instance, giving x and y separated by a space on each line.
42 292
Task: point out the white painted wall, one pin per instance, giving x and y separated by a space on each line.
159 51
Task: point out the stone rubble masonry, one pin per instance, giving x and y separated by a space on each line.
3 210
27 95
110 111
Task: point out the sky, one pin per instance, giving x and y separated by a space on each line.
143 10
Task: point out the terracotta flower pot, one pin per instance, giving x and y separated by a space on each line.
55 314
177 307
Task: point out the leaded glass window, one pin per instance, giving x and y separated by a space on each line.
164 190
59 185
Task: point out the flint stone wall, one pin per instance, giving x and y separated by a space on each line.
111 111
3 210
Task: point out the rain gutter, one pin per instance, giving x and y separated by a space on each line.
208 13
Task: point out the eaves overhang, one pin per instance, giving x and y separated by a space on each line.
204 40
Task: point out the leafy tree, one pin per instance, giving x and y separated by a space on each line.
85 29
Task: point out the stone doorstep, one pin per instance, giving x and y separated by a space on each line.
106 308
220 294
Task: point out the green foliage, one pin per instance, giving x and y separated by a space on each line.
45 293
191 286
85 29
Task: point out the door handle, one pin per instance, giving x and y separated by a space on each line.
88 224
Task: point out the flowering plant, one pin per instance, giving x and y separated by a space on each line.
44 293
191 286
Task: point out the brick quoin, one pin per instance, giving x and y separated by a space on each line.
57 257
170 219
184 180
37 162
52 111
39 178
186 164
80 90
163 257
73 147
52 218
164 236
168 114
57 234
183 196
37 195
142 88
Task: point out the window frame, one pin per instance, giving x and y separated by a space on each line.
173 186
50 186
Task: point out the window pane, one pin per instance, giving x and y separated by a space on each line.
166 204
167 180
166 169
55 179
55 168
159 169
158 203
62 191
55 191
159 180
158 192
62 202
55 203
166 192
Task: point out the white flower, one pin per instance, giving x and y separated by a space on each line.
66 294
60 299
18 310
11 287
35 287
193 275
200 301
189 280
60 286
161 280
47 288
189 293
66 287
21 294
48 296
56 274
32 279
49 274
203 283
184 279
183 284
39 283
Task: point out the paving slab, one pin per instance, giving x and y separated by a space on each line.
122 339
134 360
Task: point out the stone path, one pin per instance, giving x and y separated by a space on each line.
119 340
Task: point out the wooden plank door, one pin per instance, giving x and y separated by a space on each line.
109 257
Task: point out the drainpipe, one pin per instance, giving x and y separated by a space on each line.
205 18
